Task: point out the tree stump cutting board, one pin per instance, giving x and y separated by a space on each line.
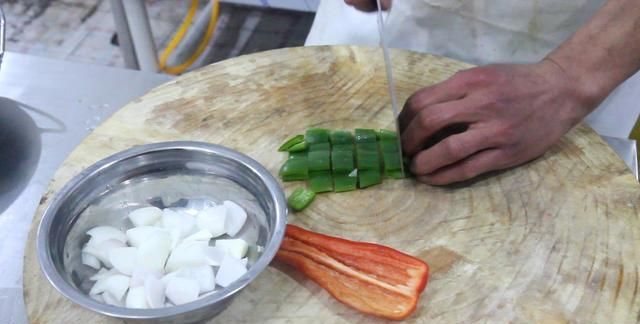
556 240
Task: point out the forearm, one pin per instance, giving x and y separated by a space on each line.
604 52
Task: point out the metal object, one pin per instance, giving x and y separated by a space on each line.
390 83
626 150
124 35
166 171
138 28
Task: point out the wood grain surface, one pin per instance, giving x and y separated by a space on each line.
554 241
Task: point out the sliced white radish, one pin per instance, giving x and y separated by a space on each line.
213 220
136 298
176 237
201 235
203 275
169 276
140 274
178 220
153 253
101 250
182 290
116 284
154 291
103 272
237 248
236 216
112 300
90 260
138 235
188 254
102 233
124 259
97 298
231 269
214 255
145 216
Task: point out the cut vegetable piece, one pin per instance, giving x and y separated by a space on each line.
342 148
342 161
124 259
319 147
395 174
298 155
344 182
214 255
392 161
317 135
178 220
291 142
195 205
100 234
101 250
236 217
300 198
203 275
145 216
153 253
371 278
139 275
231 269
182 290
189 254
341 137
109 299
387 135
319 161
90 260
295 169
97 298
138 235
364 135
102 273
136 298
368 178
302 146
320 181
389 146
154 291
201 235
115 284
368 160
212 220
236 248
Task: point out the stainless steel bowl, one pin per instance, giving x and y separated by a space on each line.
159 174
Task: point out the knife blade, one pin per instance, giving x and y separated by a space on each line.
390 84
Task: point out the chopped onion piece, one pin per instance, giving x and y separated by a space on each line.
90 260
154 291
237 248
115 284
231 269
178 220
213 220
138 235
112 300
124 259
97 298
182 290
103 272
101 250
153 253
188 254
136 298
203 275
145 216
201 235
214 255
236 216
140 274
100 234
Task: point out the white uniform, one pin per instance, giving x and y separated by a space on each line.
480 32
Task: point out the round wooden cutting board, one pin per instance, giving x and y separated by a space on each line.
556 240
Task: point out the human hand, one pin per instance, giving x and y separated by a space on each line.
368 5
512 114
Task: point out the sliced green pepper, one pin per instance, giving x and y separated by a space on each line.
319 161
300 198
298 155
295 169
365 135
341 137
367 178
373 147
302 146
388 146
319 147
392 161
343 182
395 174
387 135
342 161
368 160
317 135
320 181
342 147
291 142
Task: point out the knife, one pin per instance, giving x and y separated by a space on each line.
391 85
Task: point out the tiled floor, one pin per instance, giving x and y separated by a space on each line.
82 30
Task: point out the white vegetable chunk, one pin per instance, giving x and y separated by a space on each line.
101 250
103 272
90 260
231 269
203 275
182 290
169 276
124 259
145 216
188 254
136 298
214 255
195 205
213 220
138 235
100 234
115 284
154 291
153 253
236 216
112 300
97 298
237 248
201 235
140 274
178 220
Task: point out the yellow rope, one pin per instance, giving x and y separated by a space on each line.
177 38
215 10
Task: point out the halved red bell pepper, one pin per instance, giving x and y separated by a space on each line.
371 278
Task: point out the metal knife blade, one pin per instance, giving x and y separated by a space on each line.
391 85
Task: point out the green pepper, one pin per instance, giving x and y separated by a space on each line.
341 161
342 148
319 161
365 135
387 135
302 146
320 181
319 147
367 178
300 198
389 146
291 142
298 155
373 147
341 137
368 160
392 161
395 174
317 135
344 182
295 169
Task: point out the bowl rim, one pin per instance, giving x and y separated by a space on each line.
48 267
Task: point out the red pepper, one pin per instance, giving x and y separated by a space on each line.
371 278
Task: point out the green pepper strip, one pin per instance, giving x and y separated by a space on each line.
367 178
298 155
319 147
295 169
300 198
387 135
302 146
343 182
317 135
291 142
341 137
320 181
365 135
341 161
319 161
342 148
